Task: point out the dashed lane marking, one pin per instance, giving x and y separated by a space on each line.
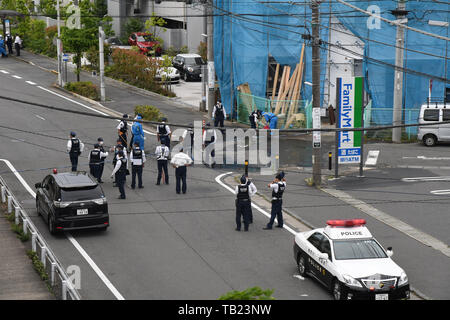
17 77
426 179
31 82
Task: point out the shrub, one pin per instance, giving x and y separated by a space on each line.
50 34
255 293
86 89
149 113
94 58
202 50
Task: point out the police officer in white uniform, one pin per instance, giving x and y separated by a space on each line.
278 186
243 202
74 147
163 133
137 160
162 155
219 114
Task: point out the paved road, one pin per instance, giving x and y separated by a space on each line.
160 245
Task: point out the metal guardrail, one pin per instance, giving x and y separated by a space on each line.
58 278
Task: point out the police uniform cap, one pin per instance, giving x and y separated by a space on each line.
125 115
120 153
73 134
96 146
100 139
243 179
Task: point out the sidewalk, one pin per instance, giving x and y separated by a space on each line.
18 279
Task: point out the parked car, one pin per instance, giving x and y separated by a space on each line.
189 65
434 112
146 43
172 73
71 200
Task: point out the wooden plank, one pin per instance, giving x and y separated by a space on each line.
280 91
296 92
290 89
275 81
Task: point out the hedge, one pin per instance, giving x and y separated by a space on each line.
86 89
149 113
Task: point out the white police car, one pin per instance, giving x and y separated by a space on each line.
350 262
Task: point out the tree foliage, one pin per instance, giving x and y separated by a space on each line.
155 26
255 293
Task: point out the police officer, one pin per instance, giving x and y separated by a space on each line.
120 172
243 203
122 130
219 114
95 159
102 158
137 132
74 147
254 117
180 161
9 43
278 186
252 191
137 159
116 150
162 154
163 133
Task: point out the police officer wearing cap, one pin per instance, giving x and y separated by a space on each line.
219 114
116 150
162 154
102 158
74 148
137 159
95 159
163 133
278 186
120 172
243 202
122 130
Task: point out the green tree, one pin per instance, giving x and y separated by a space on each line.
202 50
132 25
255 293
48 8
155 26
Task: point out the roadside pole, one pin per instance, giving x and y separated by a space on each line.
211 71
101 40
204 74
58 44
338 124
316 85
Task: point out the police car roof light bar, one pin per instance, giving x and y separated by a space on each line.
346 223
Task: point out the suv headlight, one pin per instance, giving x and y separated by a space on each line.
190 69
61 204
351 281
100 201
403 279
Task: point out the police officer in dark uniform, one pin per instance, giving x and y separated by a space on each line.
162 155
116 150
163 133
120 172
95 160
278 186
122 130
102 158
253 117
219 114
243 204
74 148
137 159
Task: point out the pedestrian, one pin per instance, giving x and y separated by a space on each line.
277 186
95 159
162 154
180 161
137 160
163 133
243 193
120 172
2 47
74 147
331 115
209 137
9 43
102 162
116 150
122 130
219 114
138 132
17 45
254 117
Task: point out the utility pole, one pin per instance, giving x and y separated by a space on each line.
317 176
101 40
211 71
58 44
205 36
400 13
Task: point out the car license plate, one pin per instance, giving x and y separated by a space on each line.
383 296
82 212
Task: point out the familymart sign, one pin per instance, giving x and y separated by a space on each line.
349 100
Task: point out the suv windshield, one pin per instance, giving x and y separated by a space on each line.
194 61
145 38
357 249
78 194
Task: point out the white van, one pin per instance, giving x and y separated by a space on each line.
434 112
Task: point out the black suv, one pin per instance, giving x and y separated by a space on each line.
189 65
71 200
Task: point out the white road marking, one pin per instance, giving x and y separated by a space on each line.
4 71
427 158
30 82
253 205
38 116
440 192
75 243
425 179
17 77
299 277
395 223
83 105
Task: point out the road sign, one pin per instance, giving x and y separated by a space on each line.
316 125
65 57
350 107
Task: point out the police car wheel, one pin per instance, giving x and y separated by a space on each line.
429 140
301 265
51 224
38 207
338 293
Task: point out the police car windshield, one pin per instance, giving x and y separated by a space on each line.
76 194
357 249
